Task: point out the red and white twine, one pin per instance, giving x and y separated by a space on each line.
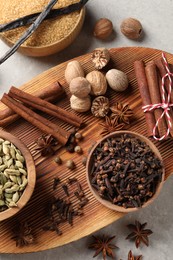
165 105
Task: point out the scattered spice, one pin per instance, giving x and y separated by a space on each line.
100 57
132 257
78 149
139 233
56 181
45 145
78 136
58 160
102 244
23 235
100 106
65 189
103 28
125 171
111 125
62 210
122 112
70 164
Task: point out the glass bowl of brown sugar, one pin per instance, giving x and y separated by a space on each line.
125 171
52 36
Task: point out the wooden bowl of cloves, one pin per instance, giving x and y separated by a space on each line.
17 175
125 171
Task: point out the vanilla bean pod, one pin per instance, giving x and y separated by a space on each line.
28 19
29 31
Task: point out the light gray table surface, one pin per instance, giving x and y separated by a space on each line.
156 17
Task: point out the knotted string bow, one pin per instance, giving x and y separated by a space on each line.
165 105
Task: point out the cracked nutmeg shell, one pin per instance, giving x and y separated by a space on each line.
100 106
131 28
100 57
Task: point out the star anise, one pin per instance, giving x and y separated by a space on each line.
111 125
122 112
23 235
132 257
139 234
103 244
45 145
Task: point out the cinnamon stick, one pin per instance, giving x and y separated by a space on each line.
49 93
154 90
171 110
45 106
144 92
40 122
162 71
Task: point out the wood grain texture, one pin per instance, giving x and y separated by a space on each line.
96 215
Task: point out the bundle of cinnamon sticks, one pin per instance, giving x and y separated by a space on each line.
149 79
22 104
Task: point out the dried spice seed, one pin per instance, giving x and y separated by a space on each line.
122 112
132 257
125 171
13 175
111 125
56 181
70 164
23 235
60 210
139 233
78 149
45 145
58 160
102 244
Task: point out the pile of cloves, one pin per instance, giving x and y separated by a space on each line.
125 171
62 210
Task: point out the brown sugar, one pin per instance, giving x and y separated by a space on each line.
49 32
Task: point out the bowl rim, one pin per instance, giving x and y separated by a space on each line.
31 170
109 204
28 47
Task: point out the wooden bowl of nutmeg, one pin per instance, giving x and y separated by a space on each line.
125 171
17 175
52 35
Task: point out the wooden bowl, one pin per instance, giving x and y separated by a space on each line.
30 166
107 203
55 47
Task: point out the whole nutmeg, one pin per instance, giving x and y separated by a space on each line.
73 70
80 104
80 87
117 80
103 28
98 83
131 28
100 57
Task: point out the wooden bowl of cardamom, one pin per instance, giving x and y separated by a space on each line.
125 171
52 36
17 175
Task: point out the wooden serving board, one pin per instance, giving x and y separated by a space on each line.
96 216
